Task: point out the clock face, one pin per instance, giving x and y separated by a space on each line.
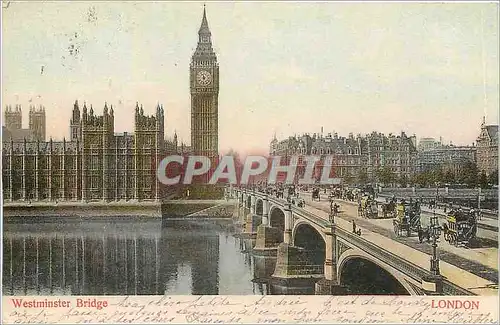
204 78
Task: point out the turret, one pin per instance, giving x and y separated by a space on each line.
37 122
76 113
84 112
204 50
204 32
13 118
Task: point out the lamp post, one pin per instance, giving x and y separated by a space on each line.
479 203
331 217
433 283
436 233
437 196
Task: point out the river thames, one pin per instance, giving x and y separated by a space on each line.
129 256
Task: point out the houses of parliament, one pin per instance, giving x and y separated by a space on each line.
97 164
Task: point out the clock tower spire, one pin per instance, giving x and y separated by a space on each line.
204 86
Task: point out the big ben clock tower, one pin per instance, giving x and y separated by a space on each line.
204 84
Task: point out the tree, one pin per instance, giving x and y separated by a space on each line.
483 180
424 178
347 179
362 177
437 175
403 180
385 175
493 178
469 175
449 177
412 180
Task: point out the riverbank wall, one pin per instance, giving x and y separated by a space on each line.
76 209
166 209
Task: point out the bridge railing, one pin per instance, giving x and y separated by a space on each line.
311 217
442 192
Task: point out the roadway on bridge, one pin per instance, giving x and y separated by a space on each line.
487 227
482 261
486 222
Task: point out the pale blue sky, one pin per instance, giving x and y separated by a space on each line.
285 67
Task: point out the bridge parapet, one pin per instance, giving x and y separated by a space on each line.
458 193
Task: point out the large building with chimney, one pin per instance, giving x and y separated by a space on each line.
354 157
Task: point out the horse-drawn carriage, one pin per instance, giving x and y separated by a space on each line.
407 219
315 194
389 209
350 195
367 207
460 227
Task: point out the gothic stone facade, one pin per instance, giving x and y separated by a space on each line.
204 85
96 164
352 156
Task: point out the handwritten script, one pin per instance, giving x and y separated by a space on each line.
251 309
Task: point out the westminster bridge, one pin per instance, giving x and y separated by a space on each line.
308 245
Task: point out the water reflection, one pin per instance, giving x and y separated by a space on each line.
125 257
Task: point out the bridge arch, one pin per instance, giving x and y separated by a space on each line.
277 219
365 275
301 223
259 206
309 237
